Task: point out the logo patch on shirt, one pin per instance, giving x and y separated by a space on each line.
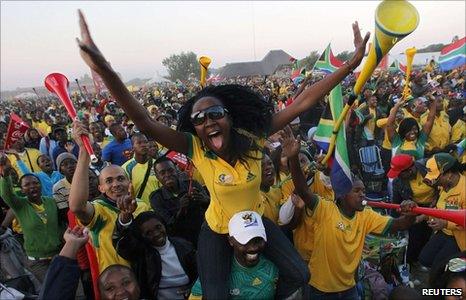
256 281
343 227
224 178
250 176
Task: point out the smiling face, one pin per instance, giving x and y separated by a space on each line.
214 133
118 284
268 172
412 134
113 182
30 186
154 232
247 255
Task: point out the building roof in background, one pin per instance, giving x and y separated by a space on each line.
264 67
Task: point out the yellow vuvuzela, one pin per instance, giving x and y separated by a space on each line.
204 61
394 20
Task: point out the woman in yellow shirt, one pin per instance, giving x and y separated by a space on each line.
223 129
409 138
445 172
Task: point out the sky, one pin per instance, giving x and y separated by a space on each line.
38 37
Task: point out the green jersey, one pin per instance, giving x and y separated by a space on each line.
258 282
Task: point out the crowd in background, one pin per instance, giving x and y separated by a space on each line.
401 149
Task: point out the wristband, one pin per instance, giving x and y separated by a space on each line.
125 224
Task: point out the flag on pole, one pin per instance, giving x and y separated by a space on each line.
340 175
297 73
397 66
327 62
453 55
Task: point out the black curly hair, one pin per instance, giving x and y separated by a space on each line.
250 113
405 126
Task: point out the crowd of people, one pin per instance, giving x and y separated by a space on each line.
220 192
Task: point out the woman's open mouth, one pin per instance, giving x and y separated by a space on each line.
216 139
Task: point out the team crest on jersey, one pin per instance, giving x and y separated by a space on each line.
343 227
224 178
249 220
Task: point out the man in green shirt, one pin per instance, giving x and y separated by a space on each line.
252 275
38 218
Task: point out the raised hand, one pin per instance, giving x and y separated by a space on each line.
359 46
127 205
74 239
78 236
88 50
78 130
290 145
69 146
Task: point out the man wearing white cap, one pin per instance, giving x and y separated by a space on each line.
252 275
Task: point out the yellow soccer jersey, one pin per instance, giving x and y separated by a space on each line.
340 241
29 157
232 188
136 173
273 200
458 132
454 199
303 235
101 230
422 193
440 133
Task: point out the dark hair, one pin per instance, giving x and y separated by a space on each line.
27 175
405 126
37 160
146 216
347 189
440 276
112 127
162 159
276 156
137 135
250 113
307 154
113 268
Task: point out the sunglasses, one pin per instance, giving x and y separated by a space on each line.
214 113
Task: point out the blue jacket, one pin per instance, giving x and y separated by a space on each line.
46 181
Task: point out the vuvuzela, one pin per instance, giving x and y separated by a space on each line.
204 61
393 21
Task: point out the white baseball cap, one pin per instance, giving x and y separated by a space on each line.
246 225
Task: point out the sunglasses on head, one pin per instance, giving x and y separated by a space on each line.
214 113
